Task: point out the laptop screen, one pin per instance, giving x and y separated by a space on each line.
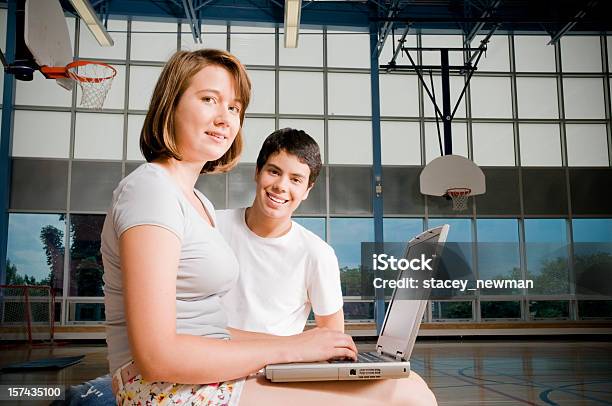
406 308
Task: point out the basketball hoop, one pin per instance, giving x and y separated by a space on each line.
94 78
443 175
459 195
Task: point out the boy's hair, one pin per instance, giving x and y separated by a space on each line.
294 142
157 138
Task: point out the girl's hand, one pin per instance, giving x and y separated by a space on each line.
320 344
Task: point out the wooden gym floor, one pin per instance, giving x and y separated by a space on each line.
539 372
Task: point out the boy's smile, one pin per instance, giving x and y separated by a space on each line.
275 198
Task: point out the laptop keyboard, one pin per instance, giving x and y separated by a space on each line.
362 357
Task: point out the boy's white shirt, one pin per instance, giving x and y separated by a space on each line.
280 278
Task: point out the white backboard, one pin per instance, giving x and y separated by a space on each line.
452 171
46 35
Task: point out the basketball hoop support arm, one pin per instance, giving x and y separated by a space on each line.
445 69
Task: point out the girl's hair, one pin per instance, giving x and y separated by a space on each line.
157 138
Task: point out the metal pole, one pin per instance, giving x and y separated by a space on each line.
446 109
6 137
377 197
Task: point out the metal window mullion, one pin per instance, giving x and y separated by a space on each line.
573 309
523 259
468 117
573 305
473 305
6 137
326 140
514 95
467 102
607 95
422 130
126 95
556 297
572 277
67 242
469 120
228 34
298 68
421 111
276 78
571 269
561 105
475 268
429 311
518 163
354 215
293 116
29 211
515 98
524 304
147 64
470 138
179 34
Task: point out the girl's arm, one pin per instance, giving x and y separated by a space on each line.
149 262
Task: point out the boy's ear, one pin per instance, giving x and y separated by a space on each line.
307 192
256 174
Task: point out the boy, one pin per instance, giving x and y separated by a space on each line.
284 268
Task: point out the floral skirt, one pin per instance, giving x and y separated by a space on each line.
143 393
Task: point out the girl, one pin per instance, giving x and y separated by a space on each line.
166 265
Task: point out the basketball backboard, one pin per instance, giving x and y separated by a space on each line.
452 172
46 35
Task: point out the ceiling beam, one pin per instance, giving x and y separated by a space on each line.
400 45
193 20
387 27
554 38
488 12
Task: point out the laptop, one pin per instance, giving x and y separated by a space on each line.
397 336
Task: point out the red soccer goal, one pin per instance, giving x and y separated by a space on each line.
27 312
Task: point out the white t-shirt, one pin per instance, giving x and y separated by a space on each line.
207 267
280 279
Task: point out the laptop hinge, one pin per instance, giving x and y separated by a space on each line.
399 355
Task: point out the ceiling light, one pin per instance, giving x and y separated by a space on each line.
293 10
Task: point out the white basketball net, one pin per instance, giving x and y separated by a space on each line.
95 81
459 197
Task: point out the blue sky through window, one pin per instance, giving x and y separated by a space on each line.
314 224
346 236
547 255
401 229
25 249
498 249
